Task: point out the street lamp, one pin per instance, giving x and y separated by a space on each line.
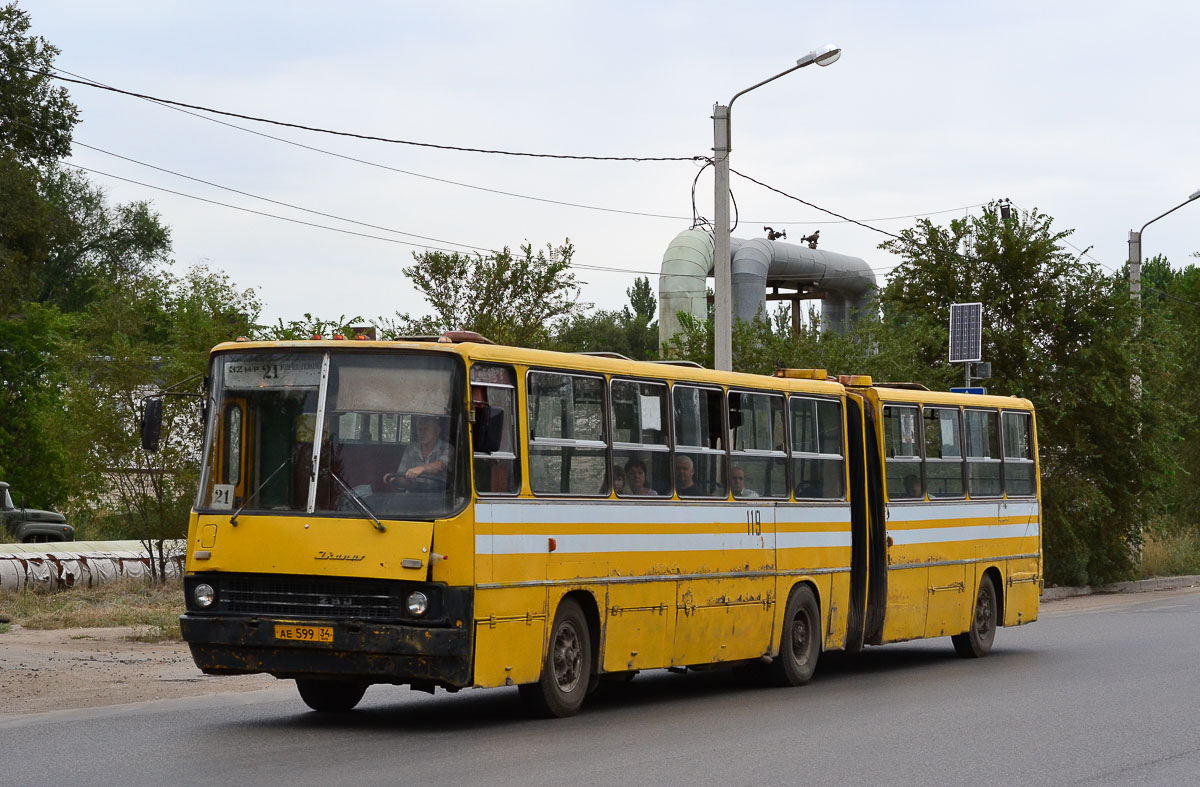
1135 250
722 286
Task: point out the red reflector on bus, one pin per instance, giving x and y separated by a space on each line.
553 544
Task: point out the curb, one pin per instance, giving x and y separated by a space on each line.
1140 586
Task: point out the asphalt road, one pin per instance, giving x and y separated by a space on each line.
1102 690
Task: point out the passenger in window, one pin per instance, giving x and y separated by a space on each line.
912 486
635 479
685 473
426 460
737 483
618 481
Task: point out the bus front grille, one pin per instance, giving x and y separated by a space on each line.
313 597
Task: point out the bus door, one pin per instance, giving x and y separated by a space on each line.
908 571
860 534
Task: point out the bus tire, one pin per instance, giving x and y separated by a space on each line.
330 696
800 640
567 669
976 642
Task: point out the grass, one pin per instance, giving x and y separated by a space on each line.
152 609
1170 555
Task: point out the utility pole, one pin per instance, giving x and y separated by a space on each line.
722 277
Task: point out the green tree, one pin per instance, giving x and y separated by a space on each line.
33 455
518 299
307 328
631 331
91 320
1059 332
132 341
1171 300
36 118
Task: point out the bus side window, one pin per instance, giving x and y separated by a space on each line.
641 451
699 463
818 468
498 472
759 462
902 452
943 452
568 453
982 428
1019 467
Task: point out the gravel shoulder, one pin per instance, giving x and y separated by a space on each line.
61 669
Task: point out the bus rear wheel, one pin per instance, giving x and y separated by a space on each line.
800 641
977 641
567 669
330 696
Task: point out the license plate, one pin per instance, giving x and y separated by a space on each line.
304 633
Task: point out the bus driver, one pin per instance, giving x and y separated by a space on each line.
426 460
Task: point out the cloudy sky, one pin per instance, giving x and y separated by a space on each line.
1086 111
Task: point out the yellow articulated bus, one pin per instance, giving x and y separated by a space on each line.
459 514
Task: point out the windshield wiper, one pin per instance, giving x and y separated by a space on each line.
362 505
233 519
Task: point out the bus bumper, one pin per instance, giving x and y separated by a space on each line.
374 652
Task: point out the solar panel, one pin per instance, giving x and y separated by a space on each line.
966 332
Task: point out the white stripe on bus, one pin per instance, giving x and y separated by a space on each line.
584 543
608 512
938 535
923 512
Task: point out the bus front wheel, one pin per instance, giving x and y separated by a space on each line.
330 696
800 643
567 669
977 641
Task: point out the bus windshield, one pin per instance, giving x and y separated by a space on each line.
392 435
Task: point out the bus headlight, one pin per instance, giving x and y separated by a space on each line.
204 595
418 603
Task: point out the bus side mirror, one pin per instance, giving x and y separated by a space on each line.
151 423
488 431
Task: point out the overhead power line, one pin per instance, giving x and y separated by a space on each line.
581 266
256 212
487 189
278 202
351 134
783 193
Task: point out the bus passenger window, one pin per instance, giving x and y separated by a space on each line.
641 451
498 472
699 466
567 449
982 428
756 438
1019 467
818 469
943 452
902 452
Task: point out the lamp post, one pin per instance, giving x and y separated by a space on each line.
1135 279
1135 250
722 287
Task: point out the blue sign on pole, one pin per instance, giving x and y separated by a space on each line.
975 389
